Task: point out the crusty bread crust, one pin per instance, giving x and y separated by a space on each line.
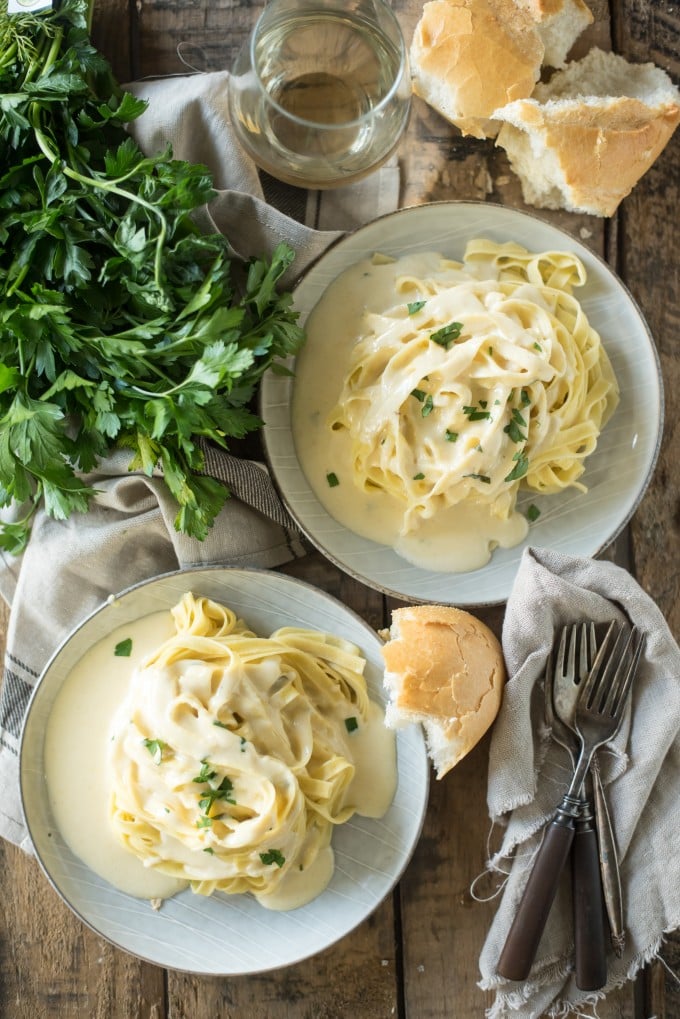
582 142
560 23
469 57
444 668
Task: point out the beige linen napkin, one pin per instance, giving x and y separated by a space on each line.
528 774
71 566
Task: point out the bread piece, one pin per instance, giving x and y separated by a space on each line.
586 137
559 24
444 669
469 57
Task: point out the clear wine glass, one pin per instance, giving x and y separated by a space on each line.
320 94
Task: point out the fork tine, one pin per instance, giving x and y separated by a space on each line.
602 660
584 658
592 638
561 652
610 672
616 700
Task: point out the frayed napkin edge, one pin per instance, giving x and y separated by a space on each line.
510 1004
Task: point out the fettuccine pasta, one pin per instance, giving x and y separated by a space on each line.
233 755
477 378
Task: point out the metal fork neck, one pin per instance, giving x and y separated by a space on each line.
569 811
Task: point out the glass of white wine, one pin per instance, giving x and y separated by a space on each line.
320 94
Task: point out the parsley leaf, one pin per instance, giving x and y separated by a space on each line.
273 856
520 468
155 748
473 414
514 428
447 334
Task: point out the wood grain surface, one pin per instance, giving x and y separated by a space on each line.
416 956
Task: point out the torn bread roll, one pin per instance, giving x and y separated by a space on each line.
559 23
586 137
469 57
445 670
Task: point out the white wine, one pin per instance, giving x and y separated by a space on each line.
333 95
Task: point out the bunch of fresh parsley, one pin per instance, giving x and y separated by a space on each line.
121 323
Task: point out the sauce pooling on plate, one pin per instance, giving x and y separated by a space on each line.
214 757
429 391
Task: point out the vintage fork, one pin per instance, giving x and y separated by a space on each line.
597 718
576 652
560 713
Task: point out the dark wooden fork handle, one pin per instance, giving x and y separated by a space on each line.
539 893
590 937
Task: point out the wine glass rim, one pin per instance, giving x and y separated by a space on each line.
401 71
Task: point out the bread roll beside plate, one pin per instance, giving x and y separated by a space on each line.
469 57
584 139
444 669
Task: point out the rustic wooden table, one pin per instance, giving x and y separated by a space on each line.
416 957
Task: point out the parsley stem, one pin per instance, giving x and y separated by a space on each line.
19 280
93 182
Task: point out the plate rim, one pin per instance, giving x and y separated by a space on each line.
395 874
347 240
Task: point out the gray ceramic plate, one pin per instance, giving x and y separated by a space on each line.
617 474
228 935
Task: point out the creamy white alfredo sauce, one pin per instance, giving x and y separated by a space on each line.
457 539
78 776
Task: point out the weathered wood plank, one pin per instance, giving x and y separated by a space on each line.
52 965
648 263
112 34
175 37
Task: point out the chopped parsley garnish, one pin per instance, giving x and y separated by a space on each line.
513 430
428 405
273 856
204 822
533 513
419 394
524 399
419 476
243 744
221 792
414 306
220 725
351 724
473 414
537 346
451 436
208 849
520 468
206 773
447 334
332 480
479 477
123 648
155 748
207 797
